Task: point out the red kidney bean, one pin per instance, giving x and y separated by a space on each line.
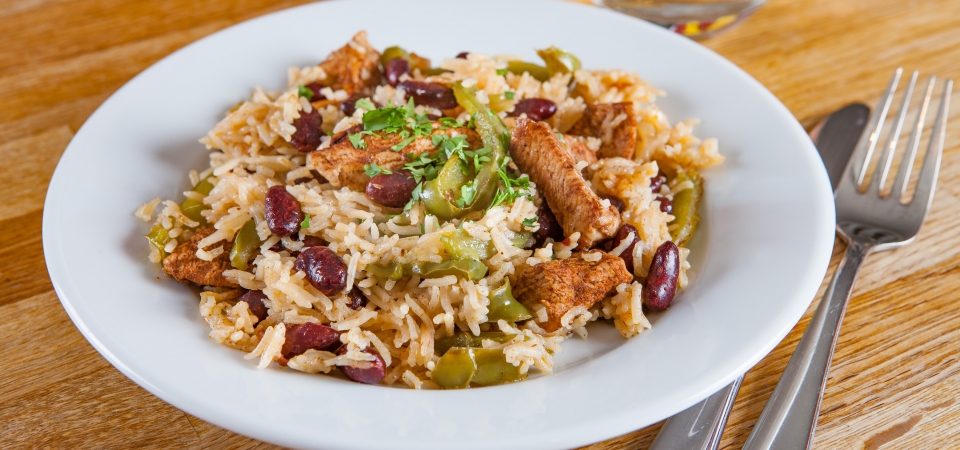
656 183
371 375
356 298
312 241
549 227
283 211
433 95
462 55
305 336
627 254
254 300
315 89
534 108
394 69
665 205
661 283
616 202
324 269
392 190
308 134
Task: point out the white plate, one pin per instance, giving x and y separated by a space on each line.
760 254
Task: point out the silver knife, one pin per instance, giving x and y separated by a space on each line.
700 426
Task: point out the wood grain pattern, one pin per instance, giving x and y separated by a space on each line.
896 373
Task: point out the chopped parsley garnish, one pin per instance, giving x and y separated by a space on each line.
373 170
468 192
306 222
449 122
508 95
356 139
529 222
366 104
414 198
304 92
501 72
512 189
403 143
560 136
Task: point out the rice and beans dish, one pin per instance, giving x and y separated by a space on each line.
442 226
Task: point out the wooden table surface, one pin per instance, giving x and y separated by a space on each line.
896 372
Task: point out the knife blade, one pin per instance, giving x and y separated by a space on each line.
700 426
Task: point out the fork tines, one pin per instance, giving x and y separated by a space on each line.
860 161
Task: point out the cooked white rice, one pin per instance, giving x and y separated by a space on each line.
252 152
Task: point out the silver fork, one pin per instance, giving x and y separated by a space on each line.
867 221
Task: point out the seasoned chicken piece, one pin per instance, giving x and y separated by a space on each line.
342 163
614 123
564 284
538 152
184 266
354 67
578 150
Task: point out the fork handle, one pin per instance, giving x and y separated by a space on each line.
789 419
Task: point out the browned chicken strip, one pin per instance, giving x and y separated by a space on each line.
342 163
538 152
354 67
562 285
614 123
183 264
578 150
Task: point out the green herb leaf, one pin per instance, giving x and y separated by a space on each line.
501 72
508 95
403 144
414 198
306 222
449 122
468 192
357 141
366 104
304 92
373 170
529 222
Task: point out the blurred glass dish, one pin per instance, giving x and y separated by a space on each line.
691 18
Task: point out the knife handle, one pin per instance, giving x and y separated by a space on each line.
700 426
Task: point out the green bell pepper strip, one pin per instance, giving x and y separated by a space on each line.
393 271
685 208
191 208
460 367
416 61
470 269
455 369
494 136
440 194
467 339
158 237
493 368
459 245
245 246
503 306
559 61
536 71
520 239
391 53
